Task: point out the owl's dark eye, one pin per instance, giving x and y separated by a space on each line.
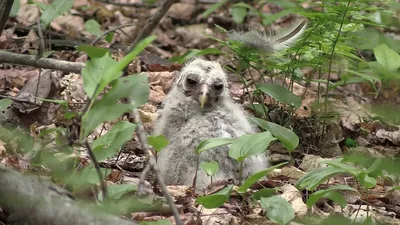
191 81
218 85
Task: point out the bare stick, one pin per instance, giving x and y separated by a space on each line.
141 133
5 8
45 63
97 167
152 22
111 30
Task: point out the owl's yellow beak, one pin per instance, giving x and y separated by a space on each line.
203 95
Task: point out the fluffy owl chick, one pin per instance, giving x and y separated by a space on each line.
199 107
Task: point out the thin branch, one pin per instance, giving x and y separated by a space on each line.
111 30
152 22
19 100
44 63
97 167
141 133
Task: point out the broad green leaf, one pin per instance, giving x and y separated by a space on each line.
55 9
114 71
93 72
263 193
88 176
215 200
287 137
93 27
110 143
314 197
212 143
210 167
250 145
278 209
386 57
259 108
99 114
376 168
395 188
115 191
213 8
313 179
280 94
345 167
371 78
238 14
365 180
252 179
15 7
135 87
92 51
158 142
159 222
5 103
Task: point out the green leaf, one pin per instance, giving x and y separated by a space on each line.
64 103
327 193
213 8
210 167
158 142
263 193
212 143
256 177
215 200
250 145
55 9
15 7
135 87
371 78
93 72
365 180
93 27
313 179
115 191
110 143
259 108
395 188
159 222
238 14
92 51
345 167
278 209
287 137
280 94
5 103
386 57
109 37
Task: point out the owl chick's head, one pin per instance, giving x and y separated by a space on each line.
203 81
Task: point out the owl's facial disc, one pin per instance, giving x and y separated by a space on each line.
205 92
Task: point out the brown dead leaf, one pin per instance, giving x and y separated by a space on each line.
182 11
73 25
163 79
28 15
156 95
295 198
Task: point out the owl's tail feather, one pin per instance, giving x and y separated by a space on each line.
282 39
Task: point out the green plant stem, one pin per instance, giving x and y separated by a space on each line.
330 65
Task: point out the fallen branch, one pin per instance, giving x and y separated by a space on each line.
28 200
45 63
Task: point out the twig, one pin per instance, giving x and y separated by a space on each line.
141 133
152 22
19 100
111 30
44 63
5 8
97 167
131 4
